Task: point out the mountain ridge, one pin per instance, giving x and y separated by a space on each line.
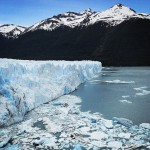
11 30
113 16
120 39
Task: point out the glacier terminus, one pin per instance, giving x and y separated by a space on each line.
25 85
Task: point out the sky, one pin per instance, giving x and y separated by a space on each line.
29 12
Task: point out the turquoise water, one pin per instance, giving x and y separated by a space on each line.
118 92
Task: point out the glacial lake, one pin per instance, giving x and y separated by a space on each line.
118 92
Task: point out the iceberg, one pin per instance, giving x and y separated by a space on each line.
123 121
125 101
115 144
24 85
145 125
119 81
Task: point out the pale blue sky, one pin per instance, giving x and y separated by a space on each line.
28 12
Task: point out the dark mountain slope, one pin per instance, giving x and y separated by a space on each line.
62 43
117 36
127 44
4 42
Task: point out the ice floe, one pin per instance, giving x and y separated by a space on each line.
114 144
74 130
142 91
119 81
123 121
145 125
125 96
140 88
125 101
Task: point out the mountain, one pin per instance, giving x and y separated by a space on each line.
116 36
113 16
69 19
11 30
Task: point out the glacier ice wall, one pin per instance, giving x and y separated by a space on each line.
25 85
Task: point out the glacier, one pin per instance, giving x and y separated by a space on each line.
54 119
24 85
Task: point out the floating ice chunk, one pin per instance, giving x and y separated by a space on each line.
65 110
108 124
5 142
137 138
139 94
64 135
125 96
125 101
13 147
99 135
119 81
99 144
123 121
114 144
140 88
93 120
40 119
143 92
56 103
124 135
21 132
38 141
145 125
51 126
51 142
85 130
94 80
148 147
26 126
77 147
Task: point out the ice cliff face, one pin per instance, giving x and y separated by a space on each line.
25 85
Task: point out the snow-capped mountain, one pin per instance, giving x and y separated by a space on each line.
11 30
117 36
70 19
114 16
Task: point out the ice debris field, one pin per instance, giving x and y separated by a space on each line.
54 121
